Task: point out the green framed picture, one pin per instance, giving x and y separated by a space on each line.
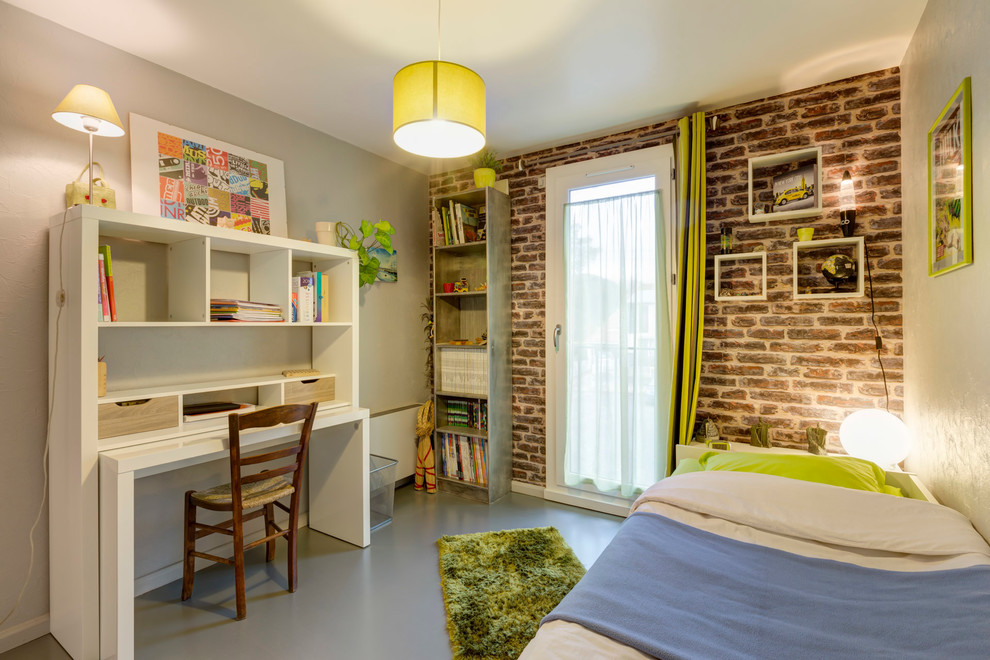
950 185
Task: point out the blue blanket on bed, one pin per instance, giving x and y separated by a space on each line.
676 592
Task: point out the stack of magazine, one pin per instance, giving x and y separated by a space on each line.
226 309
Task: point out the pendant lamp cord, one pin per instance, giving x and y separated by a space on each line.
876 330
439 59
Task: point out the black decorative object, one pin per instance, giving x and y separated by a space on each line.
838 270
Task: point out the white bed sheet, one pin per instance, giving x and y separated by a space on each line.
815 520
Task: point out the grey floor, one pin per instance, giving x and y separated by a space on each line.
380 602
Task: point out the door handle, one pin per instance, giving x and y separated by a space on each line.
556 338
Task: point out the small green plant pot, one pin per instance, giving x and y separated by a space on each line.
484 177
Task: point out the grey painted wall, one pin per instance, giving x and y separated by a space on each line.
947 362
326 179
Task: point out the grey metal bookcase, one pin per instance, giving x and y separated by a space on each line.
465 316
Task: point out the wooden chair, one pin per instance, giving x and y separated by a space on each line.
260 491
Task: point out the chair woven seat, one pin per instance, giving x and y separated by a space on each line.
254 494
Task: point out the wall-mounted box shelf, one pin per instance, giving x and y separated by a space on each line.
807 262
804 202
734 277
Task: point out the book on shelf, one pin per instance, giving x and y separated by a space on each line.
99 292
228 309
305 289
324 297
463 370
104 293
469 223
108 272
463 458
438 235
448 235
318 300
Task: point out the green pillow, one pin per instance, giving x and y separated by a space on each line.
687 465
844 471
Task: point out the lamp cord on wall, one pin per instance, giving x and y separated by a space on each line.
876 330
60 298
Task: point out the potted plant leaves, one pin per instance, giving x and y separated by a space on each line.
375 242
486 166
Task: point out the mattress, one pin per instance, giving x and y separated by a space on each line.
813 520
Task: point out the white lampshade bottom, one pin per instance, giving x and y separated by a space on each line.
437 138
875 435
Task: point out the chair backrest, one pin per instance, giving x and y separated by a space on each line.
268 417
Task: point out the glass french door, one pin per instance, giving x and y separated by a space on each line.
609 320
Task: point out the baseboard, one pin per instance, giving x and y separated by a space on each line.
524 488
23 633
173 572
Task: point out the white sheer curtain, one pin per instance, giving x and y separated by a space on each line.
617 343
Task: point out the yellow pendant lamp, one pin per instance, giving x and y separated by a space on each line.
438 108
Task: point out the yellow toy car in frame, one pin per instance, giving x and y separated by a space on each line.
793 194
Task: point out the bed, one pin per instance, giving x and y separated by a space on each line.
750 561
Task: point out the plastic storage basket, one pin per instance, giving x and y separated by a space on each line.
382 489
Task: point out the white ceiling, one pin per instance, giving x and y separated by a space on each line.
554 69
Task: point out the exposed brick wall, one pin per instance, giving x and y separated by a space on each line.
793 362
801 362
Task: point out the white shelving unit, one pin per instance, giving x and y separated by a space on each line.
855 244
720 264
775 160
164 350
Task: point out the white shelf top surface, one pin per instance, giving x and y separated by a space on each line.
125 224
220 324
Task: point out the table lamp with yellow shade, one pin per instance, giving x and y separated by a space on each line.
89 110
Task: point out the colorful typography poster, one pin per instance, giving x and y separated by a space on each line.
185 176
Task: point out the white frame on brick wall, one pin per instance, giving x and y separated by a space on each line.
859 248
747 256
654 161
771 160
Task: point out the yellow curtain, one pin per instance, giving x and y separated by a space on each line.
690 279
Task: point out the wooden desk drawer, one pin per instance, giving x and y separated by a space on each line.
133 417
308 391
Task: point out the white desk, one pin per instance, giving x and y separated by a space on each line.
338 500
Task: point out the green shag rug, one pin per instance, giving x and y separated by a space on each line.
498 585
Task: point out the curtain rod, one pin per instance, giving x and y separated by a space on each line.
610 145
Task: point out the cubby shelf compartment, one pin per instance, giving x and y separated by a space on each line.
854 247
720 268
775 160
